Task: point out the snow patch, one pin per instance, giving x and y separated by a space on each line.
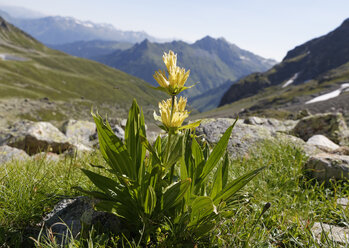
243 58
291 80
327 96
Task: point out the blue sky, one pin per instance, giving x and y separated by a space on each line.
266 27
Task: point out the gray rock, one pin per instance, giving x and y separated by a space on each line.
325 166
119 132
343 201
8 154
73 213
322 141
34 137
273 125
243 138
79 131
334 233
332 125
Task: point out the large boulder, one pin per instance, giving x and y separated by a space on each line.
80 132
73 213
8 154
35 137
247 136
331 125
326 166
243 138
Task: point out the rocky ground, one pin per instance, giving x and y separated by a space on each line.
323 137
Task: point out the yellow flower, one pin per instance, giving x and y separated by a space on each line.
172 119
177 77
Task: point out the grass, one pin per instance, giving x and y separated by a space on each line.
30 189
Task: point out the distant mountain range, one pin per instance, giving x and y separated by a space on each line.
314 75
60 30
214 63
39 83
92 49
211 61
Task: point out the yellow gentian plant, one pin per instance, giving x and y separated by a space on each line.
170 193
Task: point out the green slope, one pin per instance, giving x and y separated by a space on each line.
71 84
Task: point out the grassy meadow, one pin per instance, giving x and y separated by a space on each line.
29 190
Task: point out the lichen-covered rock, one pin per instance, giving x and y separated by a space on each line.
322 141
326 166
79 131
332 125
35 137
75 212
8 154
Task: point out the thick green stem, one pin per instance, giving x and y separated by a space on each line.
169 141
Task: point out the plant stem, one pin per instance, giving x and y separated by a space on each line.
169 141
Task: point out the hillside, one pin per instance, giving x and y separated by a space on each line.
211 62
43 84
91 49
319 67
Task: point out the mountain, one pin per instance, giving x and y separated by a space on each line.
55 30
315 68
43 84
92 49
211 62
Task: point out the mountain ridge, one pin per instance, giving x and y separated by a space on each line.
211 62
309 61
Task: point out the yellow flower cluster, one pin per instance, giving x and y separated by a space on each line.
177 77
172 114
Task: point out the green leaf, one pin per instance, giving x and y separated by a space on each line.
217 153
174 193
113 150
150 200
220 177
225 171
134 134
191 125
201 207
217 181
105 184
175 150
235 186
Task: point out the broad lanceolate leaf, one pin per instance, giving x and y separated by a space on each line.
220 177
217 153
134 133
106 184
234 186
201 207
113 150
173 194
